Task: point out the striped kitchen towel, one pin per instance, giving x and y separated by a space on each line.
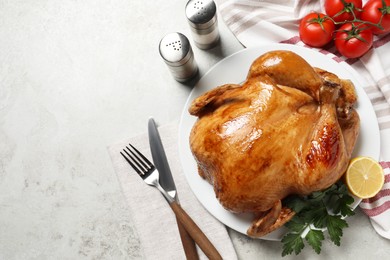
256 22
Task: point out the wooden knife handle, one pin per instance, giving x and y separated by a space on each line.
195 232
188 243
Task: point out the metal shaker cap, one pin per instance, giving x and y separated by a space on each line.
201 13
175 49
177 53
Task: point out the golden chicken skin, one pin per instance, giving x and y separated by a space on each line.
288 129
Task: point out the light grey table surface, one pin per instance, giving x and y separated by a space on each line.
76 76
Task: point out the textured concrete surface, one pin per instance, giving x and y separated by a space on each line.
76 76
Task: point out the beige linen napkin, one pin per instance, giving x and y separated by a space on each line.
277 21
153 218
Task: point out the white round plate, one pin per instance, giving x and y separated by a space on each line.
234 69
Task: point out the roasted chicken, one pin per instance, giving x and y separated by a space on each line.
288 129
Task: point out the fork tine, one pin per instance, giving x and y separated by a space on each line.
131 163
137 161
143 157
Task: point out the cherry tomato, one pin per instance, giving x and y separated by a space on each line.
343 10
353 40
373 11
316 29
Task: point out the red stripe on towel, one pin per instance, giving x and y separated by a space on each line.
381 194
377 210
293 40
385 165
382 41
387 178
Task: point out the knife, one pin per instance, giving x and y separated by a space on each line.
188 229
168 184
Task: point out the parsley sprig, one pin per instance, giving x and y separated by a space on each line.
320 211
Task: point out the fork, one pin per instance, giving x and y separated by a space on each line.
148 172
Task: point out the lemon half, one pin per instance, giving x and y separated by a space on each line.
364 177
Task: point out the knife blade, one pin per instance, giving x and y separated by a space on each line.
160 159
168 184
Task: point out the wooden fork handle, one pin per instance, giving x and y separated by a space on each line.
195 232
187 242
